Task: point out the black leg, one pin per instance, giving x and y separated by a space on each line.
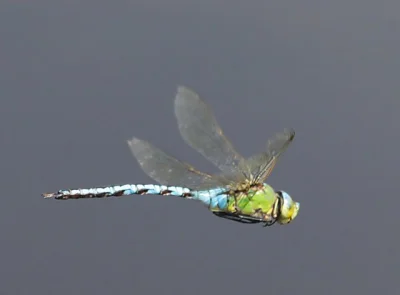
238 218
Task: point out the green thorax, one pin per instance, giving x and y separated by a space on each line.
258 201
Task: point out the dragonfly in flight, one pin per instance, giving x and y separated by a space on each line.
237 192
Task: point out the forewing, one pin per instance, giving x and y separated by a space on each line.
201 131
261 165
168 170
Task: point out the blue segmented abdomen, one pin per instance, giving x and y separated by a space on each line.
213 198
120 190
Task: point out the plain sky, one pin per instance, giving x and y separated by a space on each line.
79 78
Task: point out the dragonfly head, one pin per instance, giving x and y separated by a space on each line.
289 208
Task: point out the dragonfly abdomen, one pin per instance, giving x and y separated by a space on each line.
119 191
214 199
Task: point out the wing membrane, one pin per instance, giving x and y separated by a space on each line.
168 170
201 131
261 165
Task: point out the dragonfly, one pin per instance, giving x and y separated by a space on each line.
237 191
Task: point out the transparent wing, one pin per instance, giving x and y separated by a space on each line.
168 170
201 131
261 165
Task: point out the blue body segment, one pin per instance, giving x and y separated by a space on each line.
120 190
214 199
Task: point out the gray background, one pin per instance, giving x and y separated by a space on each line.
79 78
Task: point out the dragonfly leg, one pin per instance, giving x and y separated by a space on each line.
269 222
238 218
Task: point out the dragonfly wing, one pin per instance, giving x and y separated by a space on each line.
261 165
201 131
168 170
